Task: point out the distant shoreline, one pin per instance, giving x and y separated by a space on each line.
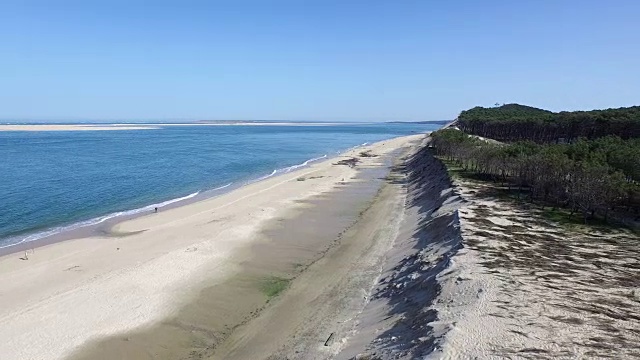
155 126
83 127
144 126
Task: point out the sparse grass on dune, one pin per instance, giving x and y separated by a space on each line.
575 221
563 287
560 216
273 286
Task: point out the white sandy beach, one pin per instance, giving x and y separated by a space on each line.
70 292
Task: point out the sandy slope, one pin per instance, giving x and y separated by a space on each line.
474 276
74 291
397 322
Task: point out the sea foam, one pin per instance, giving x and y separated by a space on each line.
16 240
287 169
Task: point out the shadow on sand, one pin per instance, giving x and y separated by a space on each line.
410 286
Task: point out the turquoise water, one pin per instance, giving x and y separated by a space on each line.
55 181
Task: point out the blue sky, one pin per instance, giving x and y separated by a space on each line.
313 60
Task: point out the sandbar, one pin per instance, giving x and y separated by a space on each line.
75 127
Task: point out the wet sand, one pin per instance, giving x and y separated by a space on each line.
323 301
287 247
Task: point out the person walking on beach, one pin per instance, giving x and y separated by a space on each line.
155 209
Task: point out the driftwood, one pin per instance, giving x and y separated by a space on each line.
367 154
328 342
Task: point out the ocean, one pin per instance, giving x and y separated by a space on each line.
52 182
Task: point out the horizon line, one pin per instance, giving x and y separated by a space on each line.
105 121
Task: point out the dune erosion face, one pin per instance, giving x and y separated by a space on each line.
399 321
478 276
545 290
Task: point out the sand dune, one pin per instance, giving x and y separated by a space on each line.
398 322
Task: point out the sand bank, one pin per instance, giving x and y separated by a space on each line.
78 127
109 127
69 296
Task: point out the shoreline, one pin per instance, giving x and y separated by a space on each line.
110 285
97 226
287 248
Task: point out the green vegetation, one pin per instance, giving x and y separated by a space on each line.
273 286
574 221
515 122
589 177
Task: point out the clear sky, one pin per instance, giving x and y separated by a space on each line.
313 60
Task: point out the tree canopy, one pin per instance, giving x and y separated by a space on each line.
514 122
588 176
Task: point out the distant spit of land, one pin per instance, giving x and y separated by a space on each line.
152 126
76 127
107 127
144 126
